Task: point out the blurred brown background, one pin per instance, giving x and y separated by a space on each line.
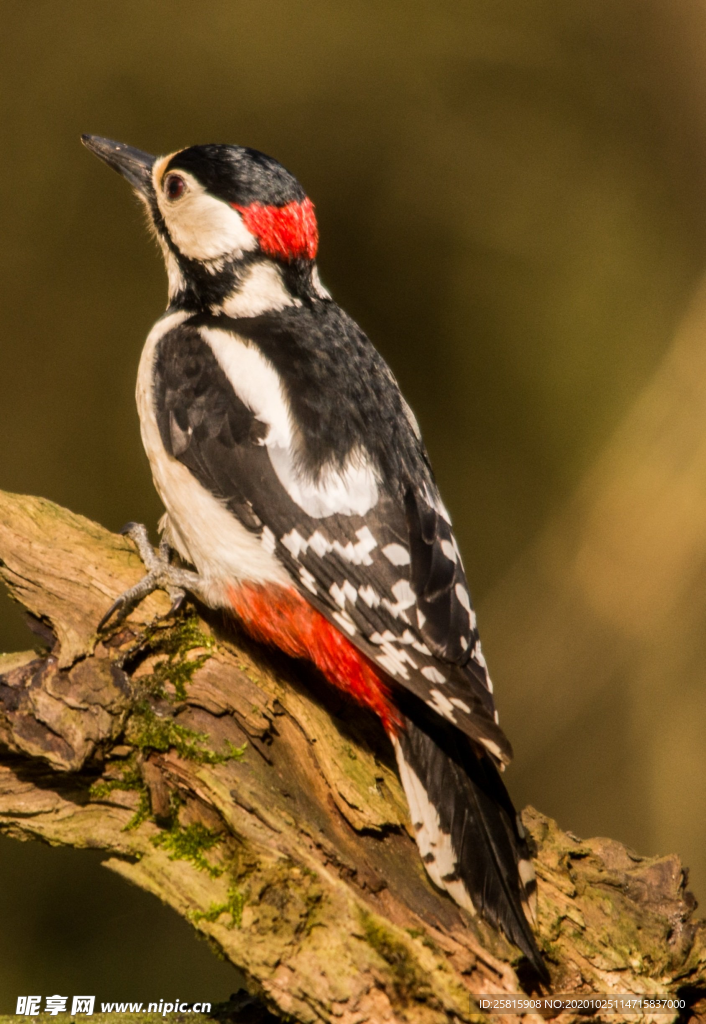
511 202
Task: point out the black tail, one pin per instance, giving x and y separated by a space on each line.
466 827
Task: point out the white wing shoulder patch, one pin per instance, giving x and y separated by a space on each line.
352 490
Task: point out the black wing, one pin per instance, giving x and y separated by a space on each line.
391 579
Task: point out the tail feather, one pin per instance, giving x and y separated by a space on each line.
468 833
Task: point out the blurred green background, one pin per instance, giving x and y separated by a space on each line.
511 203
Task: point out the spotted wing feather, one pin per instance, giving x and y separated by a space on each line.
382 578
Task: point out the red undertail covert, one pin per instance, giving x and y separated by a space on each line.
280 616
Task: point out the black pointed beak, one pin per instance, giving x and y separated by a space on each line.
133 164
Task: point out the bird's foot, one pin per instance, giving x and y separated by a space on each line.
161 575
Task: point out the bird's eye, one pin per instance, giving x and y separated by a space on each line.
174 186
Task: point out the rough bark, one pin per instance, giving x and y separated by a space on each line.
235 787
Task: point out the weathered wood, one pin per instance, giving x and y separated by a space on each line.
266 810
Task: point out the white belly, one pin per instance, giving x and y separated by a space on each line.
198 525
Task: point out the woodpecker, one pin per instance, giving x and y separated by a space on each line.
297 486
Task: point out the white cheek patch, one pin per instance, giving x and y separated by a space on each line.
201 226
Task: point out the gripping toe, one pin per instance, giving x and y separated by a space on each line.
161 575
115 606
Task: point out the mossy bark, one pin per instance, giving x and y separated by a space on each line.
238 789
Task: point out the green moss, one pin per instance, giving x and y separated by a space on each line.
408 979
130 779
419 933
148 731
233 905
190 843
176 641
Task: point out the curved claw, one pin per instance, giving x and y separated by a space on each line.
177 602
115 606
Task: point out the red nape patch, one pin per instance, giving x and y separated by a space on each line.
280 616
288 232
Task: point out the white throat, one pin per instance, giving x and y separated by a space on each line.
261 290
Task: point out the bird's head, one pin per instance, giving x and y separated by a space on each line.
237 230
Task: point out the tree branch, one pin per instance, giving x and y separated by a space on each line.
242 792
